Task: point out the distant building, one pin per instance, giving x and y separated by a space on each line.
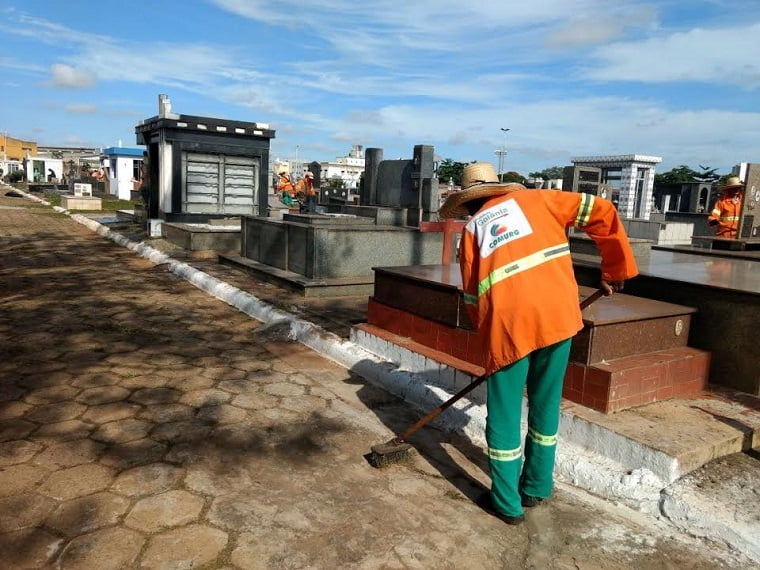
628 179
123 167
43 169
78 158
13 153
14 149
348 168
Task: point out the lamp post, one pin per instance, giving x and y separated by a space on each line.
502 152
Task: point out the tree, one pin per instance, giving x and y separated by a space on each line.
449 168
708 174
551 173
513 176
680 175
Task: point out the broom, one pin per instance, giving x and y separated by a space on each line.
397 450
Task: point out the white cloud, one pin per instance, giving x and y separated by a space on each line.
12 64
557 130
711 56
67 77
81 109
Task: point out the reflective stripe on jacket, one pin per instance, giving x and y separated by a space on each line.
517 274
726 212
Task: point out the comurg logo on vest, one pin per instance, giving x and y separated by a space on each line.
501 232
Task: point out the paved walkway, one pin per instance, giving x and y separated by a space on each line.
145 424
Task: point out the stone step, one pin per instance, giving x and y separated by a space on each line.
611 386
607 386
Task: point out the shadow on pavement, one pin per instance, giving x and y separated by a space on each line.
104 366
454 457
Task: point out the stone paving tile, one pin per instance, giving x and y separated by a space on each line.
30 548
25 510
78 481
69 454
62 431
188 547
112 548
144 424
159 512
17 479
148 479
102 395
85 514
19 451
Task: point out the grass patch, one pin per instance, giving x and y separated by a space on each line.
113 204
108 203
53 198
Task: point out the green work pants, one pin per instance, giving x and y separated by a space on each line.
543 371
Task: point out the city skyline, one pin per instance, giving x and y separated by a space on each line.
544 81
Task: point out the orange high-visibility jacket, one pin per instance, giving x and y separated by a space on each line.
285 184
517 274
726 212
306 186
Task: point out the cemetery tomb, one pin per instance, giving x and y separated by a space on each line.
631 351
334 252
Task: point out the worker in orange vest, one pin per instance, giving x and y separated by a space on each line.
520 292
725 213
306 194
285 186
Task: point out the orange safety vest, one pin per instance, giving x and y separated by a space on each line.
285 185
306 186
517 274
726 212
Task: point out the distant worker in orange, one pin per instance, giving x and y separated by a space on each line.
285 186
725 213
521 294
306 193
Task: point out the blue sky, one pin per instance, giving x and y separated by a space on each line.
671 78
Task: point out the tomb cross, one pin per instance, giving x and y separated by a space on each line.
450 228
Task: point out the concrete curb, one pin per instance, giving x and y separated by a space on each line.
580 461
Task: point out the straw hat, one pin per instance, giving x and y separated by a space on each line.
479 180
731 183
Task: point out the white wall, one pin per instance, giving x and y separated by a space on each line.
56 164
121 178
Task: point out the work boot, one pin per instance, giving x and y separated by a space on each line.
485 503
529 502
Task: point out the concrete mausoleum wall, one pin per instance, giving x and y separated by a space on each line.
336 251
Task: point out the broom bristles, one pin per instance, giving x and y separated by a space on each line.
390 453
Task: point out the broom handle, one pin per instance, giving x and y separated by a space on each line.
591 298
432 415
470 387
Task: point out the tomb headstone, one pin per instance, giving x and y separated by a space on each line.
81 189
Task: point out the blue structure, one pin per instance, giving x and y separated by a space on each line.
124 169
